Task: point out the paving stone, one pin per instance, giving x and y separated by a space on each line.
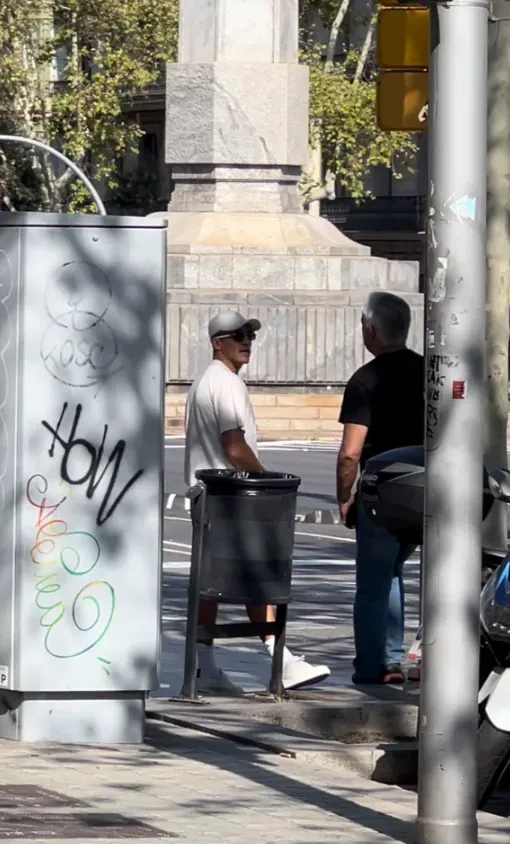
204 789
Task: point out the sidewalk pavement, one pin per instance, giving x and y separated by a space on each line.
194 788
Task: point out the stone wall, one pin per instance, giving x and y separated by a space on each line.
309 339
290 415
279 415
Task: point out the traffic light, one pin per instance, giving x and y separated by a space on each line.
403 50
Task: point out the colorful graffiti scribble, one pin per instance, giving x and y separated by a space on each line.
61 559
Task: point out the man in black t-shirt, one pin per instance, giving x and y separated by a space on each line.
383 408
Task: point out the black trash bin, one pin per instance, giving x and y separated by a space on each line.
248 536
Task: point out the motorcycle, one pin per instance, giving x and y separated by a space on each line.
391 490
494 697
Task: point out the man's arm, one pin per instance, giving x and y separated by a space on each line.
356 418
230 403
348 460
238 452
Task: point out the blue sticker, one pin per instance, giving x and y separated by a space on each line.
502 591
465 207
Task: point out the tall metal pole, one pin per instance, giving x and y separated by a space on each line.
456 277
498 261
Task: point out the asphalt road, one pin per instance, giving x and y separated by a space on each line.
314 463
320 617
319 624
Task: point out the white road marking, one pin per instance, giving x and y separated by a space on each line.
177 544
298 533
299 563
325 536
178 442
295 565
297 444
327 561
170 501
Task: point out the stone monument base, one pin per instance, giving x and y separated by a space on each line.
273 252
191 231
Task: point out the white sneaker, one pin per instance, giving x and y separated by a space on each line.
298 673
217 683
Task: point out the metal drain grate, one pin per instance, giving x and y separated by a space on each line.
34 797
77 825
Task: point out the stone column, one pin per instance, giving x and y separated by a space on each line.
237 138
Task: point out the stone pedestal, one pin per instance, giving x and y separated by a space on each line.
237 138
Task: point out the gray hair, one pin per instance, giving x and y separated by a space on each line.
390 316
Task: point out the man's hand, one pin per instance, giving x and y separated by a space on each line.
348 462
344 509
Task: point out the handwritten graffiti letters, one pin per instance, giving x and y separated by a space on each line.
84 464
437 379
79 348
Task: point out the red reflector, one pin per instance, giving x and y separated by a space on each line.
458 389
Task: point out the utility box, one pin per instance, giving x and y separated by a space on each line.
82 303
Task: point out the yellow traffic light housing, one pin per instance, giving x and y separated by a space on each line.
403 50
403 40
401 100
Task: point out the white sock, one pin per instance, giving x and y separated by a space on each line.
269 644
206 661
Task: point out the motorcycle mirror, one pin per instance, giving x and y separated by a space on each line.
499 484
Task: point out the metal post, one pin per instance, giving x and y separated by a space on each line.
456 276
67 161
498 262
198 496
276 683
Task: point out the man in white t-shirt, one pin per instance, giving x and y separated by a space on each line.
221 434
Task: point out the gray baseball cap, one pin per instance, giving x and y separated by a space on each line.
229 321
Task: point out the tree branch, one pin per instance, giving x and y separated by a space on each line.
365 51
7 202
313 190
324 191
335 29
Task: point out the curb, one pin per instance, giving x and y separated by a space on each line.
181 504
387 762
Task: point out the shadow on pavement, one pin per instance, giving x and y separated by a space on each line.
256 767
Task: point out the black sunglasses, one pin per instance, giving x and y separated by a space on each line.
238 336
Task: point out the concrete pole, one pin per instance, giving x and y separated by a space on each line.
454 422
498 260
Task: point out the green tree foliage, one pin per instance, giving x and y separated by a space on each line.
68 68
342 102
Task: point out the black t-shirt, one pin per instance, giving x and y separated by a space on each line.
387 396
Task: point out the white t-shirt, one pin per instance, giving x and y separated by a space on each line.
217 402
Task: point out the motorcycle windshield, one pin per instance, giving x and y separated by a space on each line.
495 603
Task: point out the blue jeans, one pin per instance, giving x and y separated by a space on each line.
379 601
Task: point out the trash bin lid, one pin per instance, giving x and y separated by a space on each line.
241 479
